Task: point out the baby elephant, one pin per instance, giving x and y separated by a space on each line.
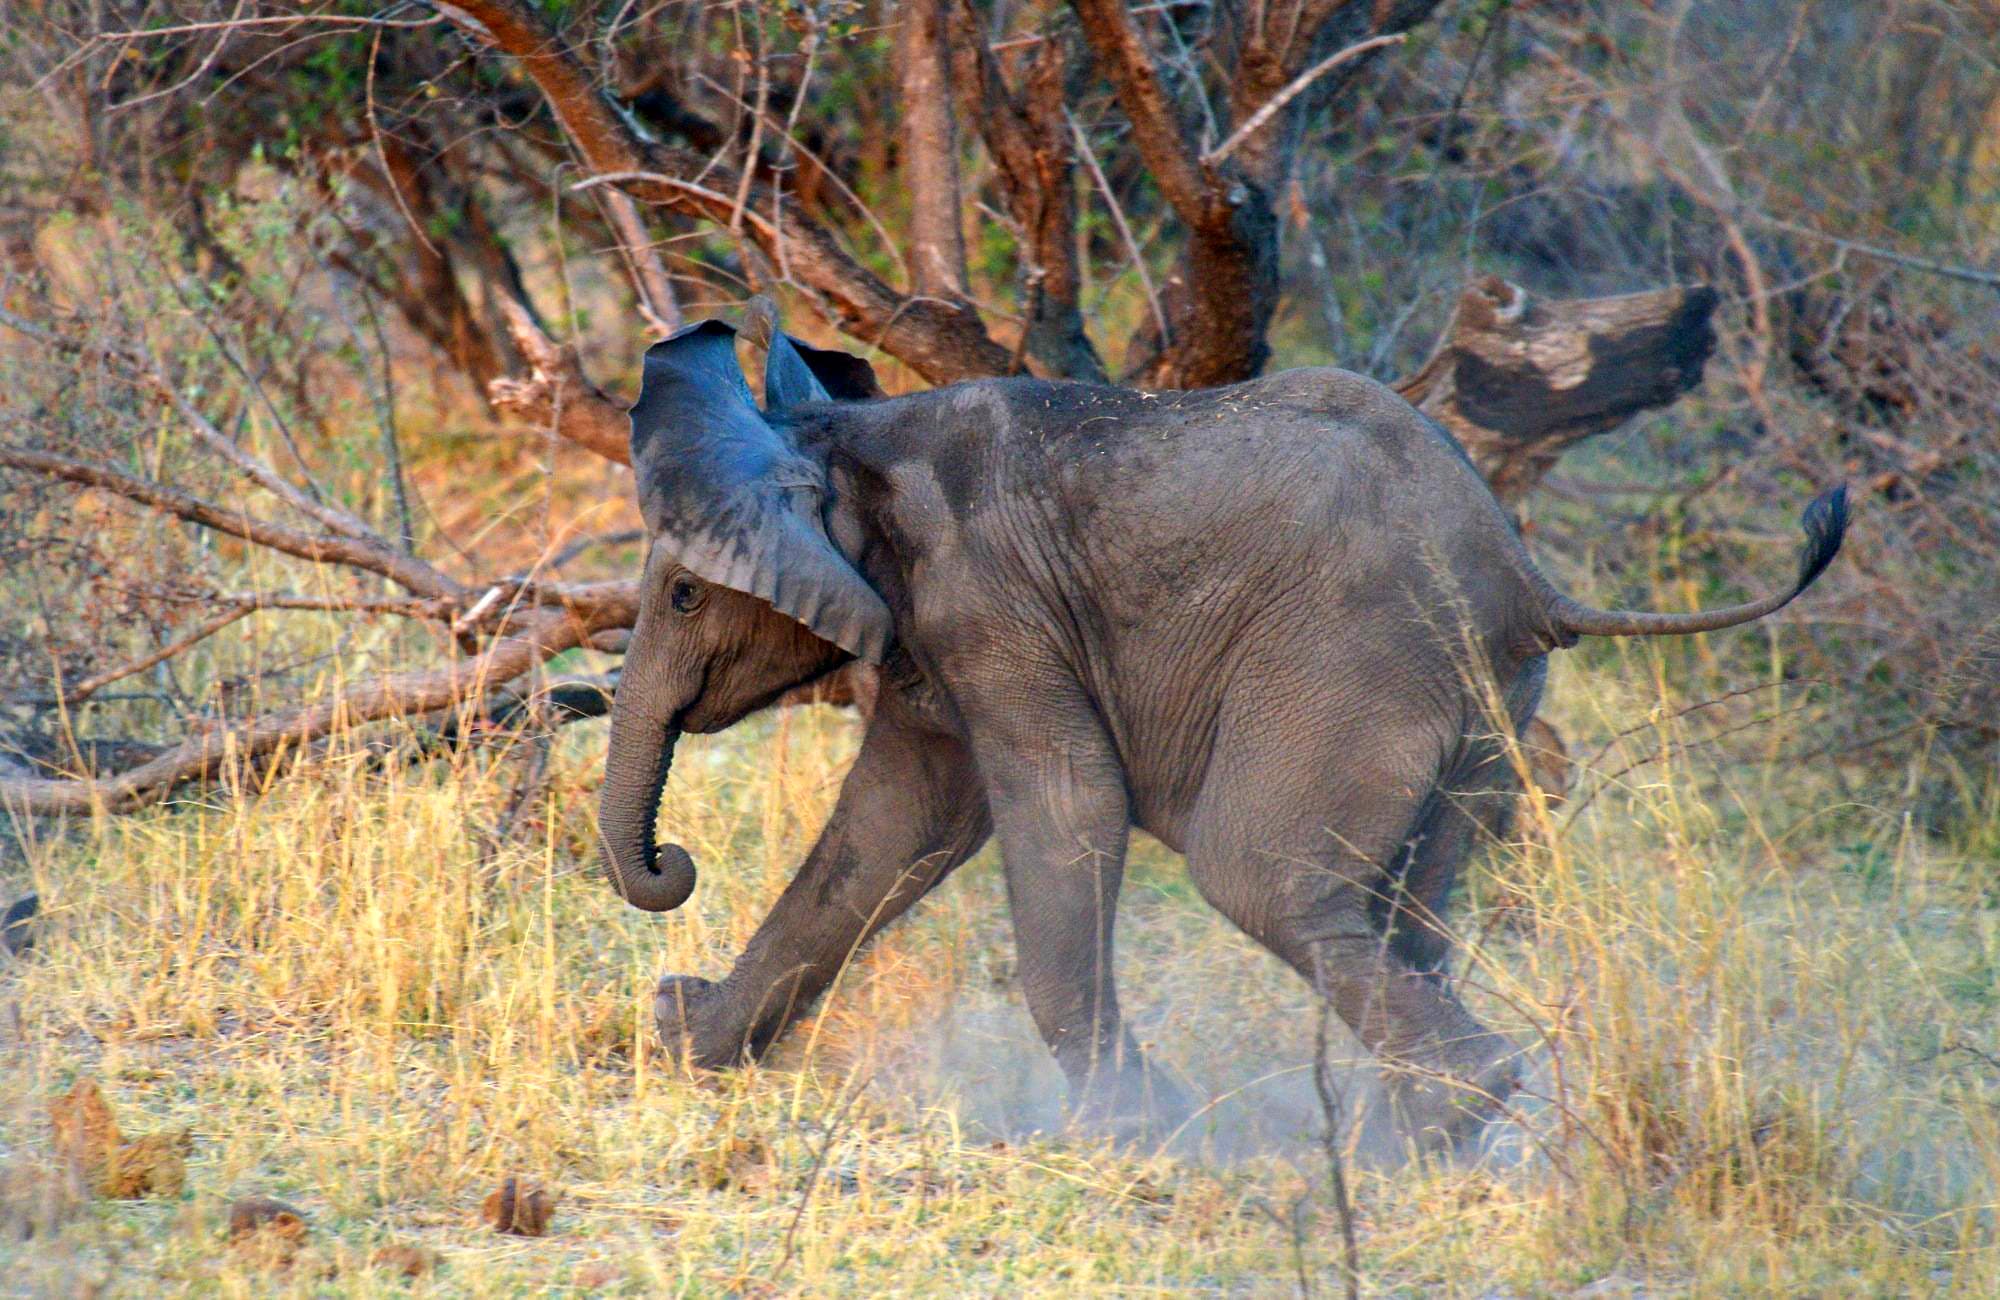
1261 622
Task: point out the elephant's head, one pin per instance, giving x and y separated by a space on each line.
744 595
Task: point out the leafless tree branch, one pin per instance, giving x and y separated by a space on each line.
1297 86
371 557
78 692
556 394
941 340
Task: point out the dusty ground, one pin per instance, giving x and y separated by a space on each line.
1765 1016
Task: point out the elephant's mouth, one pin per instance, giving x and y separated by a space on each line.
701 717
696 718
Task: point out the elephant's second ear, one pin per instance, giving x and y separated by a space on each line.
734 501
798 372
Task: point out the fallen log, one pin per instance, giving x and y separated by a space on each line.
1519 380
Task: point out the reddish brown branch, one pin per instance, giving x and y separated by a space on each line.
1156 125
557 395
1220 305
1028 134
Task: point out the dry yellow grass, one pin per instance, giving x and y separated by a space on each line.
1772 1011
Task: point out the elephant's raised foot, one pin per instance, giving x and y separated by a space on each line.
698 1024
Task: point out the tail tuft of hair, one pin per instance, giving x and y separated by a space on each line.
1825 524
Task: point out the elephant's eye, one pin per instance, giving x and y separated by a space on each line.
686 595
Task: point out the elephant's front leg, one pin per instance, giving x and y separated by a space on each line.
910 810
1059 799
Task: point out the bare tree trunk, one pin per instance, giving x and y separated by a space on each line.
1027 133
928 137
1221 300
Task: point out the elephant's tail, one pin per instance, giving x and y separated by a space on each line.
1824 522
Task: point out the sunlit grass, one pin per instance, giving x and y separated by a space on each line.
1766 1014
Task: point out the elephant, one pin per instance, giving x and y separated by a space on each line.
1264 623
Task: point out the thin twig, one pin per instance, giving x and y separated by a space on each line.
139 372
889 244
624 537
755 145
308 499
1330 1111
1124 229
651 285
386 415
723 202
533 782
89 686
382 154
1296 87
275 20
207 62
1950 271
1735 209
226 24
1295 1231
833 1129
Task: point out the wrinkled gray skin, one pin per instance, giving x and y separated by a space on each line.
1237 618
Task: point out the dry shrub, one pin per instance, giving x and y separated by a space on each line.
88 1141
1768 1157
519 1208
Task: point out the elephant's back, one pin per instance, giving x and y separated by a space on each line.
1331 459
1290 497
1296 502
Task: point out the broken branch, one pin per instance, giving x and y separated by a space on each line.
1517 381
557 395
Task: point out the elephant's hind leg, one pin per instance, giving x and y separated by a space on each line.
1300 852
1466 808
1473 804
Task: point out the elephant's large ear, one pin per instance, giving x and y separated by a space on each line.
799 372
732 498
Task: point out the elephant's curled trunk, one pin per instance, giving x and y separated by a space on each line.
652 877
